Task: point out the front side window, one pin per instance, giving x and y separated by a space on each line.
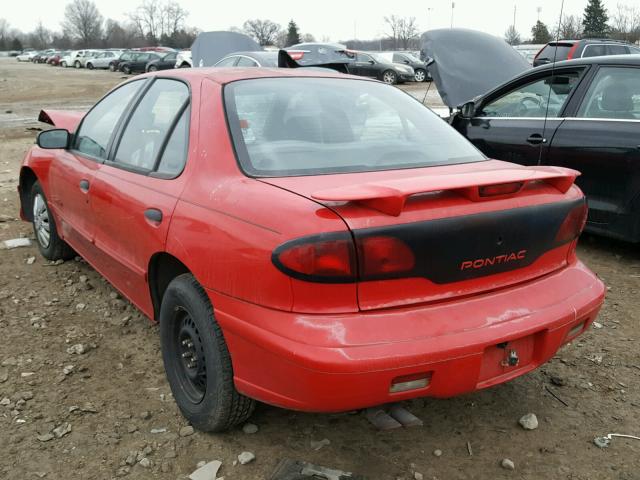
227 62
614 93
99 124
246 62
307 126
150 123
361 57
542 97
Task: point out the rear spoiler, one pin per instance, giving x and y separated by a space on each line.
67 119
390 196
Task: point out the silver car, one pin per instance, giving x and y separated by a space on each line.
102 59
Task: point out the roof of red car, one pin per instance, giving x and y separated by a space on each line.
227 75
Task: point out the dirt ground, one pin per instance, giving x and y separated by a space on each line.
123 422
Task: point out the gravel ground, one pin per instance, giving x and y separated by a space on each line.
83 392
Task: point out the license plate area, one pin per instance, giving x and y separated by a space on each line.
505 358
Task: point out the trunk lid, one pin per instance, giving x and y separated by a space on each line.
464 228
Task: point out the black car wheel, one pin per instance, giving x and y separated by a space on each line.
420 75
185 65
112 67
51 246
153 68
126 69
196 359
90 66
390 77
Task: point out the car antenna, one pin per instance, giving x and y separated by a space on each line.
553 67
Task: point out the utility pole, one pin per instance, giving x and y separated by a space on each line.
453 6
514 15
539 10
429 10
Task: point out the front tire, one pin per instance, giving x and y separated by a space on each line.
112 67
152 68
197 361
90 66
420 75
126 69
51 246
77 64
390 77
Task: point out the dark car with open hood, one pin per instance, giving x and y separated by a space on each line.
582 114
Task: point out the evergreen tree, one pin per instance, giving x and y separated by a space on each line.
16 44
540 33
595 20
293 35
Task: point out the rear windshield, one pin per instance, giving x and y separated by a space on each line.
307 126
560 50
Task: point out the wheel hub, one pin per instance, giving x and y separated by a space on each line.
41 221
190 356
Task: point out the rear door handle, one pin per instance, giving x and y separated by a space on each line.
153 214
536 139
84 185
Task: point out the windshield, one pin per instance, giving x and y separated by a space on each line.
307 126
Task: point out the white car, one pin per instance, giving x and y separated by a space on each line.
73 59
102 59
184 60
26 56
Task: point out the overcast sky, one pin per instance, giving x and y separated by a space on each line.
336 19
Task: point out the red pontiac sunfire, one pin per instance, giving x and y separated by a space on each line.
311 240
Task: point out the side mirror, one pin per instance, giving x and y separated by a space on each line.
55 138
468 110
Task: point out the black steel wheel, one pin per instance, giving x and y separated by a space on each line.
196 359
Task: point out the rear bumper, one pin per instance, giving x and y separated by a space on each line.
329 363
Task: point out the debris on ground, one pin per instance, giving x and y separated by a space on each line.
529 421
317 445
507 464
604 442
246 457
250 428
404 416
186 431
16 243
289 469
381 419
208 471
437 453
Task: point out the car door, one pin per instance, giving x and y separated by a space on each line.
72 173
601 139
137 187
364 66
516 122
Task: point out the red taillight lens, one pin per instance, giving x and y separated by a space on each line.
573 224
296 54
500 189
384 255
323 259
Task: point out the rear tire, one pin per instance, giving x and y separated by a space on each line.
153 68
197 361
112 67
77 64
51 246
126 70
420 75
90 66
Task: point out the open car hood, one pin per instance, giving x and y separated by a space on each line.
467 63
211 47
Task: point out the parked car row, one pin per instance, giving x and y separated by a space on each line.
116 59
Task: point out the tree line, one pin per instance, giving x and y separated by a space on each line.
595 22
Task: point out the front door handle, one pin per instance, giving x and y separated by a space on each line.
84 185
153 214
536 139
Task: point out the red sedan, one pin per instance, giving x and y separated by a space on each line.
311 240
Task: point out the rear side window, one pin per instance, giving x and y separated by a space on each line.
614 93
557 51
152 121
617 50
246 62
227 62
99 124
595 50
307 126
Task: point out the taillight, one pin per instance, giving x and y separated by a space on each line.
572 51
573 224
328 258
296 54
382 255
331 258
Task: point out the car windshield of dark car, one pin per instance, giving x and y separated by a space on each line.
306 126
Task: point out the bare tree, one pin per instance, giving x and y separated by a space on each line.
511 36
40 37
174 18
264 32
307 37
395 25
155 20
625 23
83 22
570 28
408 32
